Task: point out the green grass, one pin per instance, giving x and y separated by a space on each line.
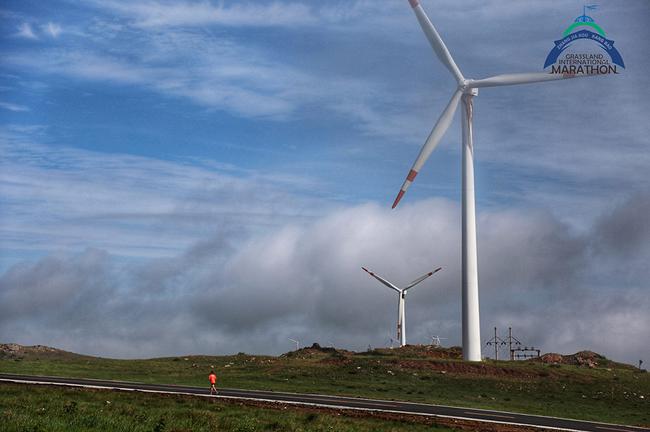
613 393
33 408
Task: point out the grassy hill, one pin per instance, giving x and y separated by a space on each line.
584 385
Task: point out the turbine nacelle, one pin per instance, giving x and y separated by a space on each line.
466 88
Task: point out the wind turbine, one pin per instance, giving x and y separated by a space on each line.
296 342
466 90
390 341
436 341
401 312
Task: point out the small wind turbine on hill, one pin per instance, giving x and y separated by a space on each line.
436 341
466 90
296 342
401 303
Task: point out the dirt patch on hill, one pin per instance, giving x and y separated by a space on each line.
419 351
430 351
14 351
582 358
317 351
465 368
588 359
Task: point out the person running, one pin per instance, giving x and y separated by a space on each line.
213 382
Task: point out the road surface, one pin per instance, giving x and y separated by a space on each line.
337 402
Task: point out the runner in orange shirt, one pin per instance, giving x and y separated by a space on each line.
213 381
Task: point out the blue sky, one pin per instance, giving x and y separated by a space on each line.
138 137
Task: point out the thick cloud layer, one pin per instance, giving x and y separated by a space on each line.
559 290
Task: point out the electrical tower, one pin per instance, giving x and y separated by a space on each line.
496 341
510 340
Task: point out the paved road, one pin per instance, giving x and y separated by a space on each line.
339 402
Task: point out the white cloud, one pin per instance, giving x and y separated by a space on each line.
218 74
52 29
184 13
25 31
13 107
353 14
63 199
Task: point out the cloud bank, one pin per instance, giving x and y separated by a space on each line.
558 290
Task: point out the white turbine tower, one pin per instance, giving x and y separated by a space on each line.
466 90
401 303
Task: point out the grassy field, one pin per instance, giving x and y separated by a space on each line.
609 392
40 408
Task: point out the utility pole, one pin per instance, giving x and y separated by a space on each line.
510 340
496 341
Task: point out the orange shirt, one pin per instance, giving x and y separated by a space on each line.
213 378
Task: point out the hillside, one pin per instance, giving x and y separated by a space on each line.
583 385
14 351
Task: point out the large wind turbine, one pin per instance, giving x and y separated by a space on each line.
465 91
401 303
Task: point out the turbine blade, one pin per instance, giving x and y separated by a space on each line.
519 78
421 278
435 136
436 41
382 280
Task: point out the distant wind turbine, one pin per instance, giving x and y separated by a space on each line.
390 341
296 342
436 341
401 312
